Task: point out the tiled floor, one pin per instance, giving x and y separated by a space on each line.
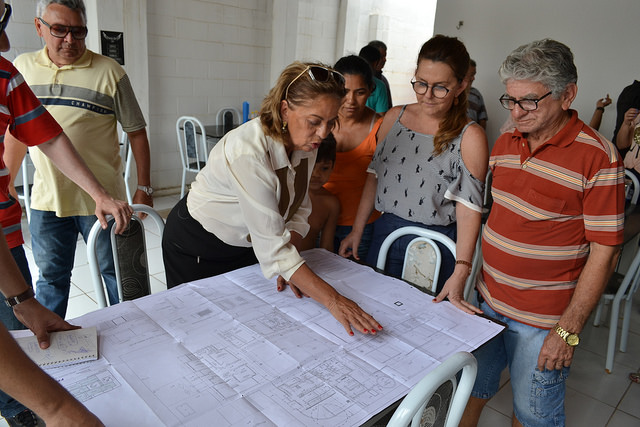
594 398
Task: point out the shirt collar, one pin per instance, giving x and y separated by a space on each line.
83 62
564 137
280 159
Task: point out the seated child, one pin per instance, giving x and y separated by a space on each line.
325 207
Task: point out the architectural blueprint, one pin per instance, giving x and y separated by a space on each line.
231 350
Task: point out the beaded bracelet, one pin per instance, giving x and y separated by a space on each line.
467 263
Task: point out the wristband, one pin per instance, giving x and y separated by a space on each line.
11 301
600 108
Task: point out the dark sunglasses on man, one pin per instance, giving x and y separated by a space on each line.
4 21
61 31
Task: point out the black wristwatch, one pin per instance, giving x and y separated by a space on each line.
11 301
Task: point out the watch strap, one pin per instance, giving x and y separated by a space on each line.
564 334
147 189
11 301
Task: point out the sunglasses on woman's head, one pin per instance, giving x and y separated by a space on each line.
318 74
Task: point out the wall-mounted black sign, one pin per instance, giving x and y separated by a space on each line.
113 45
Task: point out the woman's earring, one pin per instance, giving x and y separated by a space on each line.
455 101
284 127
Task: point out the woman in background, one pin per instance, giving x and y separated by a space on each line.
356 142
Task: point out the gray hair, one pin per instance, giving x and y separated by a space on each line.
77 5
546 61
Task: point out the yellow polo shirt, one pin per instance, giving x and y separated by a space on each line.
87 98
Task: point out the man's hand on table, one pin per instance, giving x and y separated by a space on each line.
40 320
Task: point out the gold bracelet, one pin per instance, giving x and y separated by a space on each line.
467 263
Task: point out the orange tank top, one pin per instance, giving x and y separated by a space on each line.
349 175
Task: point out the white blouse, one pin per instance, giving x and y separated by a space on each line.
251 194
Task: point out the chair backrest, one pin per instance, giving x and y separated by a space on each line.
228 117
129 255
192 143
127 157
488 200
632 192
24 190
438 398
422 257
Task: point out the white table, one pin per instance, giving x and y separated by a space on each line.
230 350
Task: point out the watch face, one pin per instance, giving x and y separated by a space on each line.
573 340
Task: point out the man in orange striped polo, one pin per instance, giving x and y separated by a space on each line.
552 237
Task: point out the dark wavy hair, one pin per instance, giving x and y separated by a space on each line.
356 66
452 52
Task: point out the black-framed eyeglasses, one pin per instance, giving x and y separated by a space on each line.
61 31
438 91
4 21
525 104
319 74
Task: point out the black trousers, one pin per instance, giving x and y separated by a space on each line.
191 253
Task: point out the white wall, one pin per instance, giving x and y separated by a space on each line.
193 57
203 55
603 36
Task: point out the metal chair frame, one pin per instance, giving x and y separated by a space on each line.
199 148
424 235
93 257
414 404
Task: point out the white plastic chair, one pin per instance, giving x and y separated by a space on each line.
438 396
422 257
126 154
223 118
24 190
632 191
621 287
192 144
129 256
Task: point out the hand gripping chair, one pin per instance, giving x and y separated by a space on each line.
422 258
438 399
129 255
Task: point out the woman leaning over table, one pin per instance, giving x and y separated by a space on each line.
250 203
356 143
429 168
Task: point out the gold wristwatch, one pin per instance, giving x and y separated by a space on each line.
572 339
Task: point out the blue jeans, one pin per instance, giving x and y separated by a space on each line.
10 407
54 246
387 224
538 396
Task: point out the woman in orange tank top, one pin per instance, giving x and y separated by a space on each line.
356 143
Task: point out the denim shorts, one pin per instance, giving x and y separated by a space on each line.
538 396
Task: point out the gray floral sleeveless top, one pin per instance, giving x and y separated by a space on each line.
417 185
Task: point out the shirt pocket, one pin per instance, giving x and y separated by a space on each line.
544 209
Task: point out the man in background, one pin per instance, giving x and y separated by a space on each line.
476 109
627 109
378 100
382 48
88 94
